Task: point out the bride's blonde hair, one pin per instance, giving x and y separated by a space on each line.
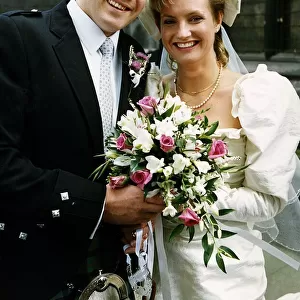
217 9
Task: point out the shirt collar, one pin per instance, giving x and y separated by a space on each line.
88 31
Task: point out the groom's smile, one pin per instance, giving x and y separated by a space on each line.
117 5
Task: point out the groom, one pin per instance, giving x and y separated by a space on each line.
50 131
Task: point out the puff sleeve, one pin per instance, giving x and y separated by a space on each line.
268 108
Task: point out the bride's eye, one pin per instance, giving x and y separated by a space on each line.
196 19
168 21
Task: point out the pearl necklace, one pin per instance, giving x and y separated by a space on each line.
210 94
194 93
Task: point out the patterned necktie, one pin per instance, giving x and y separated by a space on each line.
105 88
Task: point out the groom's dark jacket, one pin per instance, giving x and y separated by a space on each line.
50 131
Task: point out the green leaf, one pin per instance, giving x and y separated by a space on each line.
205 121
213 221
180 199
212 197
213 128
224 169
210 183
191 232
207 254
168 112
205 242
180 143
223 212
176 231
205 140
225 234
134 164
220 262
228 252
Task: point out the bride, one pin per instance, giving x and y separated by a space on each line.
258 116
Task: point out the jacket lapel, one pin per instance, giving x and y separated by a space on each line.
72 59
126 84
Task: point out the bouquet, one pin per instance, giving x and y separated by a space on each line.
163 146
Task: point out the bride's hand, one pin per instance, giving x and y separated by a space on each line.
129 236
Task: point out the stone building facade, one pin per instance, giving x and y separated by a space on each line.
269 26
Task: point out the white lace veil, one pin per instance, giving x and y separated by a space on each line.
284 229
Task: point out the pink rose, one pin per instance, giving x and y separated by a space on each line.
136 65
147 105
142 55
166 143
189 217
218 149
121 142
117 181
141 178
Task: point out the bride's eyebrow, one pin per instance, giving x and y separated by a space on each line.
194 12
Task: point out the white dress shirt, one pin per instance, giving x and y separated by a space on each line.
91 38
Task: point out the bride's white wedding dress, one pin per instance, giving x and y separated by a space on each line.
269 112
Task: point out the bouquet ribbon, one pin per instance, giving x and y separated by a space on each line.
162 258
141 279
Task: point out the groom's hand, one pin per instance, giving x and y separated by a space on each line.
128 206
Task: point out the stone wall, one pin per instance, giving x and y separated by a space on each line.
295 26
247 32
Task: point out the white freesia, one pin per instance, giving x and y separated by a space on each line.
190 150
143 140
170 210
201 225
182 115
165 127
169 101
122 161
214 209
168 170
190 192
198 207
199 186
219 233
154 164
202 166
180 162
131 122
192 130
